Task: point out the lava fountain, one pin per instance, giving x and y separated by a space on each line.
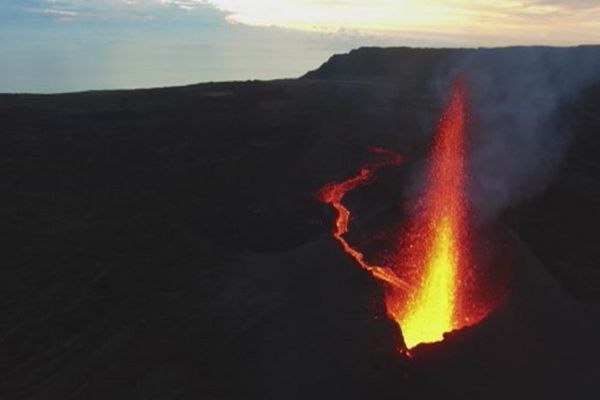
434 253
430 286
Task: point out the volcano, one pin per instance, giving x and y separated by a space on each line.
167 243
430 279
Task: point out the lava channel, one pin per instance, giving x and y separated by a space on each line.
333 193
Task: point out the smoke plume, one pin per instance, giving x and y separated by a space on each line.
516 97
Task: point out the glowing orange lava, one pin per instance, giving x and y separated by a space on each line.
333 194
434 255
429 279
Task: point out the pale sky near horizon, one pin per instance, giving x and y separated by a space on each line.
65 45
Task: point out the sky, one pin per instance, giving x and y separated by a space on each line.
70 45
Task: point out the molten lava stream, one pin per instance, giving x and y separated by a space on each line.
429 279
334 193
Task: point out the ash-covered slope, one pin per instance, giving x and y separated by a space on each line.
167 243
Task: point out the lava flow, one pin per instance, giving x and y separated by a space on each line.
429 281
333 193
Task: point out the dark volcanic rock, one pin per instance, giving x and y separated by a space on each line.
418 64
167 243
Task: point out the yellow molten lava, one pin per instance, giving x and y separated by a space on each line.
434 253
432 308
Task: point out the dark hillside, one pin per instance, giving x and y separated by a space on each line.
167 244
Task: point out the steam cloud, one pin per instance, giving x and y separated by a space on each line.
515 98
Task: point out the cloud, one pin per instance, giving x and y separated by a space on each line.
57 12
103 10
566 5
484 22
465 22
